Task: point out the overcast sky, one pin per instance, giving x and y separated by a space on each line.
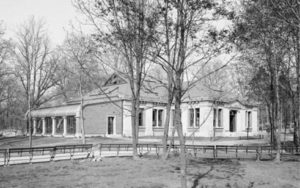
56 13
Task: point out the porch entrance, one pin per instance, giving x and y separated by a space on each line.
110 125
232 120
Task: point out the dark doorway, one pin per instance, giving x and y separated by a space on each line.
232 120
110 125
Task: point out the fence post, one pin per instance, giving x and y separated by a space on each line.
118 150
4 160
214 151
100 147
31 156
257 154
7 157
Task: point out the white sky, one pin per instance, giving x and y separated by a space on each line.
56 13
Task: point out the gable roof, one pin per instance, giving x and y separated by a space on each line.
117 87
114 79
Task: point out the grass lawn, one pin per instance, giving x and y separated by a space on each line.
52 141
151 172
22 141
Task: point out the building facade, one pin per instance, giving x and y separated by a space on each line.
106 112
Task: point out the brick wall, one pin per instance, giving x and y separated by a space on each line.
96 115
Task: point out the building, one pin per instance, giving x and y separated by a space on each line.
106 112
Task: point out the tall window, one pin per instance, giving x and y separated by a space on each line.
160 118
220 118
48 125
173 117
194 117
154 118
71 124
141 119
191 117
39 125
215 117
249 120
157 118
197 117
59 125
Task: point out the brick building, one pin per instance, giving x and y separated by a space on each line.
107 112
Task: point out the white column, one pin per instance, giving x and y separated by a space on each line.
78 128
34 126
184 118
65 125
44 126
53 126
226 121
148 120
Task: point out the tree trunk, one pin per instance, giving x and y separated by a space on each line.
134 115
81 113
297 127
29 118
166 129
82 121
276 112
181 139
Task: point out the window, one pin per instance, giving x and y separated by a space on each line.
39 126
48 125
160 118
141 119
194 117
173 118
191 117
71 125
215 117
157 118
249 120
59 125
154 118
220 118
197 117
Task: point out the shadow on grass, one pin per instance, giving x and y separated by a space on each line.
222 169
200 176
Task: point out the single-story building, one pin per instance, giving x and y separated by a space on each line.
106 112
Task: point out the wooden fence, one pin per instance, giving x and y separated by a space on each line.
68 152
44 154
201 151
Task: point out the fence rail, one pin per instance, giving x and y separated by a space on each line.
201 151
67 152
44 154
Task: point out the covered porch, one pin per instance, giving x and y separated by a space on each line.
56 121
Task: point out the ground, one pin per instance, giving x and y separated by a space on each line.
147 172
151 172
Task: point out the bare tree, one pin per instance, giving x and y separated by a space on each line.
35 66
127 26
269 41
184 48
81 65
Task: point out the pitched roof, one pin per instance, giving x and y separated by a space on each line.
117 87
56 111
